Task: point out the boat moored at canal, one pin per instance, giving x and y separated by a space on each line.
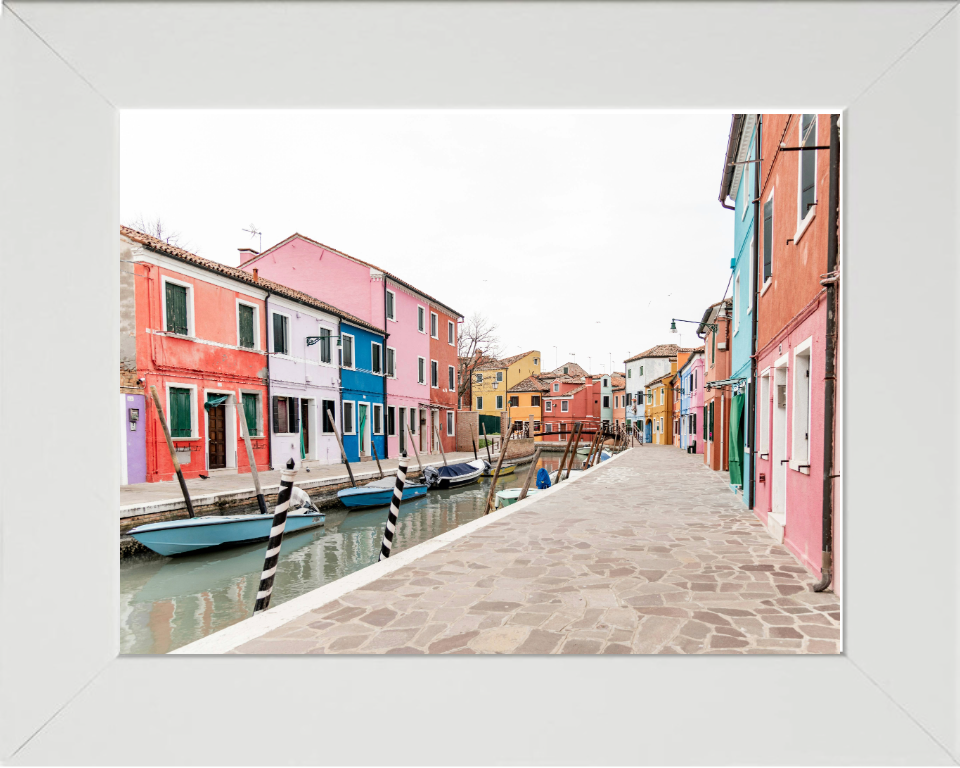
379 493
454 475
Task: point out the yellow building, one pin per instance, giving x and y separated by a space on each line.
659 407
525 400
492 381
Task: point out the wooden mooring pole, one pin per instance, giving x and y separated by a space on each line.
486 441
413 444
496 475
261 502
388 532
272 557
473 439
530 475
373 444
173 451
343 452
440 443
578 428
563 460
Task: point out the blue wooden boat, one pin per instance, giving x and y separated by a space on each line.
379 493
177 537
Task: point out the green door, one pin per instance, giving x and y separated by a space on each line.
736 440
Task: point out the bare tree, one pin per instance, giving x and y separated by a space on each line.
479 342
159 229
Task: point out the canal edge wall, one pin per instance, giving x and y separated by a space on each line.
229 638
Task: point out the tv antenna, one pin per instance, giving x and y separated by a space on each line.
256 232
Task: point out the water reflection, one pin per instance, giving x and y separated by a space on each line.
169 602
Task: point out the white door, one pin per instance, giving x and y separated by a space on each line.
778 443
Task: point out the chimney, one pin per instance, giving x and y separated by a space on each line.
256 274
246 254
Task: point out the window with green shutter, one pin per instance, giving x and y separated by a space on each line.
180 417
324 345
280 334
246 326
176 301
250 403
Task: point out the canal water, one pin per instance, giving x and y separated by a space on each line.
166 603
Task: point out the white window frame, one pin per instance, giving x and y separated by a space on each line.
256 322
478 379
421 370
434 363
548 406
556 386
765 285
194 415
499 376
373 420
803 221
191 328
564 406
499 402
422 314
319 345
382 360
479 402
288 341
349 425
393 317
320 419
753 237
800 448
392 409
763 444
450 424
451 333
353 348
451 378
434 326
386 367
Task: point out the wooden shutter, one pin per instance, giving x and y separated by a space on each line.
324 345
276 414
250 412
767 239
180 425
246 326
176 297
293 405
279 336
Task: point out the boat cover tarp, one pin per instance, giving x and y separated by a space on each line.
459 470
543 478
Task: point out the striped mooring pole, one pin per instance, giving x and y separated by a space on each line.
272 556
394 508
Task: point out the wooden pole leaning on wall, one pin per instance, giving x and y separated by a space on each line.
173 451
373 444
593 450
496 474
578 428
340 443
440 443
473 439
530 475
563 460
413 444
261 502
486 442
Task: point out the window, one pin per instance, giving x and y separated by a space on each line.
450 378
556 386
349 427
713 349
251 412
391 421
181 418
434 374
749 270
808 166
801 408
421 370
548 428
391 305
449 423
479 378
391 362
629 372
745 186
514 401
649 397
564 406
606 383
459 403
606 401
661 422
377 419
736 304
499 375
246 326
325 356
421 320
566 369
661 395
536 361
535 400
281 334
286 415
499 402
329 416
451 333
479 403
536 426
346 350
413 421
641 370
433 326
177 309
376 350
768 239
549 408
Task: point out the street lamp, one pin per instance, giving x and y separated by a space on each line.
673 325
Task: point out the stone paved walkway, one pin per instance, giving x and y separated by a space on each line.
649 554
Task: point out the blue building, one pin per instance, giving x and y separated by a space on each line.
361 398
739 183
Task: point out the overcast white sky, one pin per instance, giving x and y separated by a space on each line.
584 231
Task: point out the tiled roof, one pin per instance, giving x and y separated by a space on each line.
661 379
661 350
233 273
358 261
530 384
618 380
574 370
505 362
567 393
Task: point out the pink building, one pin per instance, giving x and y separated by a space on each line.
692 427
383 300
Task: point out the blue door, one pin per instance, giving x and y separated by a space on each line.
648 433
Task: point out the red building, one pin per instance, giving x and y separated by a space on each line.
716 396
569 399
200 335
444 367
792 335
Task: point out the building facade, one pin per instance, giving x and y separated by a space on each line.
443 374
640 370
493 378
526 402
362 413
716 404
658 414
690 384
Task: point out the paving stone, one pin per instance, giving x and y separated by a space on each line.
500 640
581 646
380 617
447 644
540 641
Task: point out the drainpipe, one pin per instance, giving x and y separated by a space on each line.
830 372
268 406
757 281
383 367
